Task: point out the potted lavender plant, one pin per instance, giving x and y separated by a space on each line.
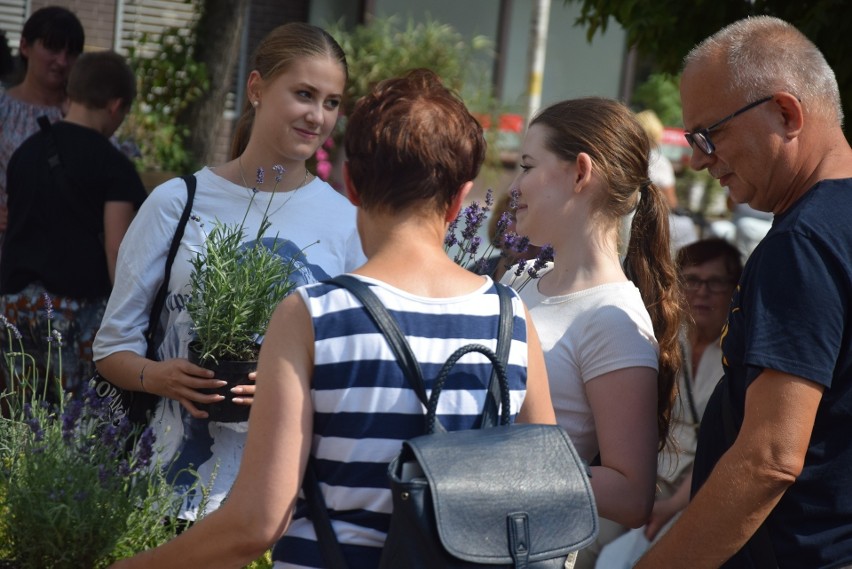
234 288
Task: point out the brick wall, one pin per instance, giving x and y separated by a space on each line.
97 17
263 17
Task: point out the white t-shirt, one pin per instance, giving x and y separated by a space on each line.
584 335
314 219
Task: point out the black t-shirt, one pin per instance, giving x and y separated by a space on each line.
792 312
55 233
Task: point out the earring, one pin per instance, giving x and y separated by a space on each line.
255 103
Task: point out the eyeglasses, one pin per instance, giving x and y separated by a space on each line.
715 285
701 137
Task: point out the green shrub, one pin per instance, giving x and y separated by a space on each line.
71 494
169 79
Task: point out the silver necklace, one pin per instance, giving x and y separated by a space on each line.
253 190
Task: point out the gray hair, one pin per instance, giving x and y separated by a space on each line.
764 55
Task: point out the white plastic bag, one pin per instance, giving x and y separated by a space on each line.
624 551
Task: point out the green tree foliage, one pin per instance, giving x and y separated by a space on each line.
660 94
668 29
384 49
387 48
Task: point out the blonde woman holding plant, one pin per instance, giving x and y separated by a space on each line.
293 95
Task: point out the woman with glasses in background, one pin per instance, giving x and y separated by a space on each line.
710 270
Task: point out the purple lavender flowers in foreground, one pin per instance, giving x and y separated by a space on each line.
506 246
80 487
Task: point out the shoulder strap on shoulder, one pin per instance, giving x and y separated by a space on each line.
160 298
390 329
504 344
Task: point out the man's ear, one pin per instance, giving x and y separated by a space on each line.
351 191
458 201
114 106
583 171
792 113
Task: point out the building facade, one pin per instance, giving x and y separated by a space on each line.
573 66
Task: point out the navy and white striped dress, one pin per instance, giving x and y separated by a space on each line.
364 407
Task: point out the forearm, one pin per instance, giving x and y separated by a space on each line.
734 501
111 256
622 499
680 498
220 540
117 218
125 369
748 480
666 508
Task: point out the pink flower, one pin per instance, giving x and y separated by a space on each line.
323 163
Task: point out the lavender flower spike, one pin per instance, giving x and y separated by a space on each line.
11 327
514 196
489 198
48 306
279 172
259 180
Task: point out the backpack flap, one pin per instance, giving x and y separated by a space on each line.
505 492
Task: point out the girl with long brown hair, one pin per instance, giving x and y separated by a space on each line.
609 329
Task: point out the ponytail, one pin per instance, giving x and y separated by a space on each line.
608 131
242 130
650 266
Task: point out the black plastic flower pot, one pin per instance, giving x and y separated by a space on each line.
235 373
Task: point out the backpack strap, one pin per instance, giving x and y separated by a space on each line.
327 540
329 546
389 327
396 339
60 178
504 344
53 159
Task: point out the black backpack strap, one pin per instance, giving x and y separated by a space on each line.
57 169
390 329
490 412
759 546
52 152
396 339
329 546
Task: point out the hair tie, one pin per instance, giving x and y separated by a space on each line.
646 184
